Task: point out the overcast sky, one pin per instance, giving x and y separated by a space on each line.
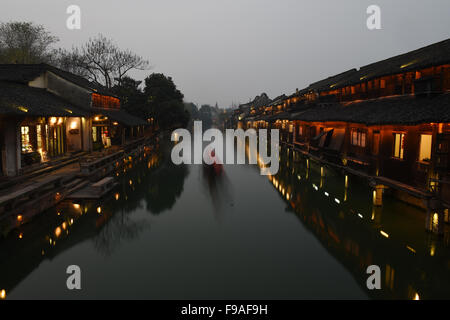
232 50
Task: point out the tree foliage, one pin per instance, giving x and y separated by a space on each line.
25 42
165 101
160 99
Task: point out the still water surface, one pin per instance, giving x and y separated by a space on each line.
176 232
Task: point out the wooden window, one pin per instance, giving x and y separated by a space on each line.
399 145
425 147
359 138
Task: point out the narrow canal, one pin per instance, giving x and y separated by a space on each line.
175 232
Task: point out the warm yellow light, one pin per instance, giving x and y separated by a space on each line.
23 109
20 235
3 294
426 141
76 206
53 120
99 210
417 297
97 118
64 225
115 123
117 196
20 218
131 182
411 249
408 64
58 232
384 234
73 125
60 120
432 250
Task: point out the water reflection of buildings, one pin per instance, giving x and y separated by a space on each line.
360 234
107 222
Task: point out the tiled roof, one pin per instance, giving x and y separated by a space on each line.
19 99
406 110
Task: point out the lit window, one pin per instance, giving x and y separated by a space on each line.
425 147
26 145
383 84
39 136
399 145
359 138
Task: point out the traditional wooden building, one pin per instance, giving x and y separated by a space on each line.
46 113
388 121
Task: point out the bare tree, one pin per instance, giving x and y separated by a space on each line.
101 60
25 42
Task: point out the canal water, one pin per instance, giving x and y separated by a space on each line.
176 232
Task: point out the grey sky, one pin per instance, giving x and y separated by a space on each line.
232 50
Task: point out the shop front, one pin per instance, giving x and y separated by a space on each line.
42 139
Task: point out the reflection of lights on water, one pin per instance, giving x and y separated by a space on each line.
3 294
435 220
433 250
384 234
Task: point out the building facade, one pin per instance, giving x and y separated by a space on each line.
47 113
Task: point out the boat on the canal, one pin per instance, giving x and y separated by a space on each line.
215 167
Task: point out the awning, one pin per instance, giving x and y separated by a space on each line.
337 139
322 137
